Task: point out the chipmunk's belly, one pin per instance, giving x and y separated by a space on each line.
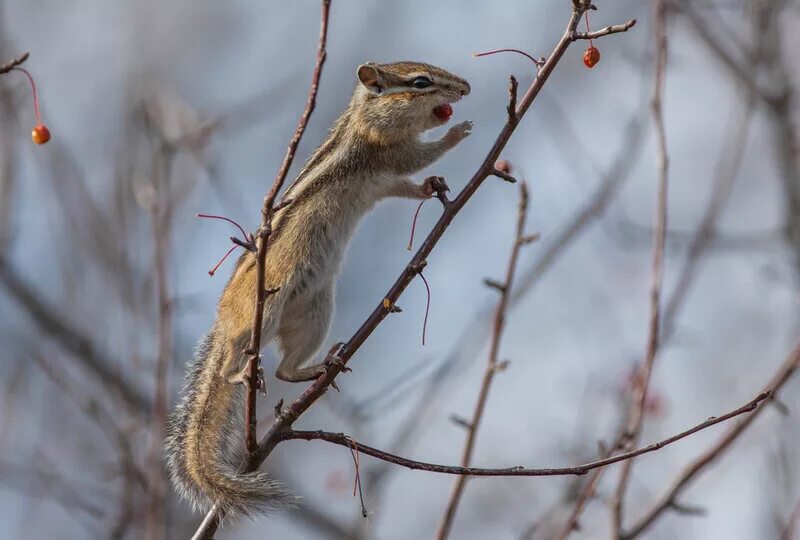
326 241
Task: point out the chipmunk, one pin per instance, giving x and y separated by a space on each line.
369 154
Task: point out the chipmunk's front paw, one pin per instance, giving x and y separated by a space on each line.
434 185
458 133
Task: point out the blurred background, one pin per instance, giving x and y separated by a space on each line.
161 110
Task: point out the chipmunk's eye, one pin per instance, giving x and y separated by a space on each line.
421 82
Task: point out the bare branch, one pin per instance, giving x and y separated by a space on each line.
636 415
265 230
343 440
321 385
82 348
608 30
685 478
491 367
8 66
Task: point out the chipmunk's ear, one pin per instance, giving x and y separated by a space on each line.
370 76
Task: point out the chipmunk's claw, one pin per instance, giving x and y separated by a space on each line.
243 377
333 359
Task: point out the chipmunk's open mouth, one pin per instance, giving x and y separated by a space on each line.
443 112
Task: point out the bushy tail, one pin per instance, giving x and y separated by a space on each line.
204 443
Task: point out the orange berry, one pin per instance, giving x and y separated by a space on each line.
591 57
40 134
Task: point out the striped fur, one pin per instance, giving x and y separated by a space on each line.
369 154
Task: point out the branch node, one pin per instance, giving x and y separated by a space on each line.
494 284
501 366
529 239
512 99
460 421
503 175
391 308
249 244
281 205
8 66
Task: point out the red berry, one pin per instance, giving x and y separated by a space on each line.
591 57
40 134
443 111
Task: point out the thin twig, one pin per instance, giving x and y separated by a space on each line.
82 348
639 398
605 31
8 66
155 522
723 182
262 238
344 440
211 521
320 386
691 471
491 367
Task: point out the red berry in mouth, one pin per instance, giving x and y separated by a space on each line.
443 111
591 57
40 134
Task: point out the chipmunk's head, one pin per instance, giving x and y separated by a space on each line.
406 96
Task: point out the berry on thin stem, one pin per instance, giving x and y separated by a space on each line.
40 134
591 56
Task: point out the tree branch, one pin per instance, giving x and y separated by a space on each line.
288 416
343 440
264 232
636 415
8 66
492 366
685 478
81 347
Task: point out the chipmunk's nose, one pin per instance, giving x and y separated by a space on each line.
465 89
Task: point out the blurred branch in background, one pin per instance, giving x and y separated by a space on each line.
80 295
776 93
82 349
669 501
493 365
635 419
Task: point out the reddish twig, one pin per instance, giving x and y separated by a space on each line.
410 245
492 366
35 93
300 405
222 260
245 235
538 63
639 398
685 478
343 440
265 230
